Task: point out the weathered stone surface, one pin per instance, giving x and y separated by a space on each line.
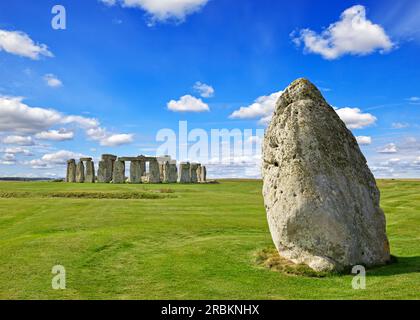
193 172
119 172
135 172
154 172
321 199
90 172
173 173
184 172
109 157
125 159
85 159
71 171
80 172
203 174
105 168
145 179
161 170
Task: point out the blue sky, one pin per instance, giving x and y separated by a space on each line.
105 83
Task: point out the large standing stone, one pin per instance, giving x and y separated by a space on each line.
80 172
71 171
105 168
173 173
193 172
90 172
154 172
184 172
119 172
321 199
203 174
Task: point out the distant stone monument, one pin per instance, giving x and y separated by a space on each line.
154 172
71 171
321 199
193 172
184 172
119 172
105 168
136 171
80 172
90 170
173 172
112 169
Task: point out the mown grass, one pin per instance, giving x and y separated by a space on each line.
196 242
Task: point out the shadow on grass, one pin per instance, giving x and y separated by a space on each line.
398 265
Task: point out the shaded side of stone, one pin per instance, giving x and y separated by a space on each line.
80 172
193 172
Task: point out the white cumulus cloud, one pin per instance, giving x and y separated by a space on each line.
354 118
114 140
263 108
50 160
353 34
19 43
17 150
162 10
364 140
19 140
55 135
205 90
389 148
188 103
52 81
18 117
414 100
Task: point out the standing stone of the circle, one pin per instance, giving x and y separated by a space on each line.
203 174
135 171
193 172
184 172
80 172
119 172
154 172
71 171
321 199
198 172
166 172
105 168
162 171
90 172
173 173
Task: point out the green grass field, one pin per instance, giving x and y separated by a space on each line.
176 242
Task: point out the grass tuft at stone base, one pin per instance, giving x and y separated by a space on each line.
270 259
